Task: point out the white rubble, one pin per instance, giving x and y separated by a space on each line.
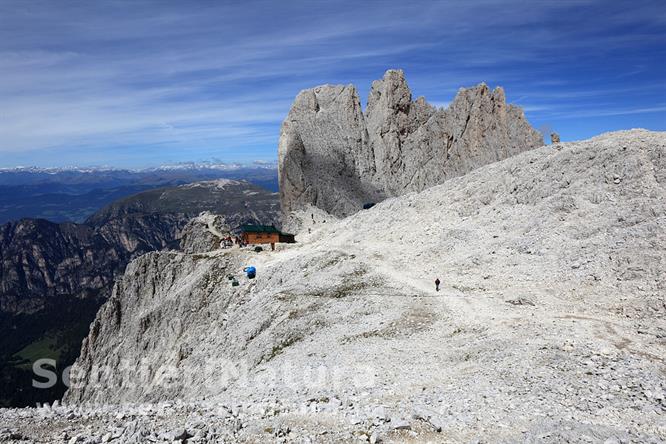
342 336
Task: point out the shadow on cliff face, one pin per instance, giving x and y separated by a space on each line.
334 185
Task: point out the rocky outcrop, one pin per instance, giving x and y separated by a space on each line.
551 265
335 157
204 233
321 150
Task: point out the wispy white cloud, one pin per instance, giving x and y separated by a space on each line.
606 112
188 77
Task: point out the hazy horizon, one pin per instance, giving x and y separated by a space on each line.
249 163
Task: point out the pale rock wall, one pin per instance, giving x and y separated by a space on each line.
335 157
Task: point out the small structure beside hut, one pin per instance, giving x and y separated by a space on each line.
264 234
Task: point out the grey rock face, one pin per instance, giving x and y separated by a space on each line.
333 156
392 119
197 239
204 233
321 142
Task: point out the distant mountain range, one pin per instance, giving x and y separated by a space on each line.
166 167
73 194
54 276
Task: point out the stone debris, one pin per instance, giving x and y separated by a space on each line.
400 424
520 301
342 336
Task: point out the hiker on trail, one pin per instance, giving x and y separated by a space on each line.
437 284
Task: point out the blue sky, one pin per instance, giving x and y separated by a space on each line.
141 83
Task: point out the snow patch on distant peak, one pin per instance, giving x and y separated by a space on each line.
220 184
197 166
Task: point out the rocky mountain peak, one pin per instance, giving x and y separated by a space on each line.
335 157
320 149
391 92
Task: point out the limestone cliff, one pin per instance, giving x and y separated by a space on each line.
321 150
335 157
